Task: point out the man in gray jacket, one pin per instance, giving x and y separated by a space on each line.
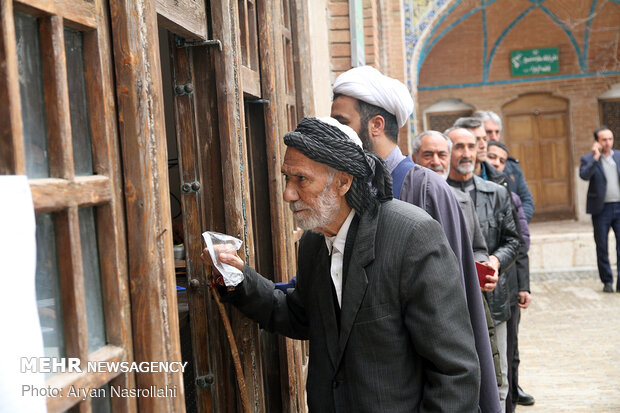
494 209
378 294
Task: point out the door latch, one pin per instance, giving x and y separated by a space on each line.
189 187
205 381
186 89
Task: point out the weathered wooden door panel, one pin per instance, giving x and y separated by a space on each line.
186 134
537 134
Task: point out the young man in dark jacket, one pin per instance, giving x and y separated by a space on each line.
497 156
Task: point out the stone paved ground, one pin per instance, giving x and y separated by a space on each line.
570 346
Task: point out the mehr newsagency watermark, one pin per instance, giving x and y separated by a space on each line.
52 365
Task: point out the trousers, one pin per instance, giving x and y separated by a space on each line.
608 218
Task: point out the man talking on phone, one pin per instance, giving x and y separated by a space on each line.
602 168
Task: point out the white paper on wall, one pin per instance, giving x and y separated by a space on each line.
18 306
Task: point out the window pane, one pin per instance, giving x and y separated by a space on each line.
48 288
101 404
80 128
92 280
32 98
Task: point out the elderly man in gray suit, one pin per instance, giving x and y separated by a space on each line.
378 291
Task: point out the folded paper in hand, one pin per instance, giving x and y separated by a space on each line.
218 243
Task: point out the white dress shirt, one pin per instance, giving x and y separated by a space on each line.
335 246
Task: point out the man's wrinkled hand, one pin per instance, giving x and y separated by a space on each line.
216 277
491 279
494 261
229 257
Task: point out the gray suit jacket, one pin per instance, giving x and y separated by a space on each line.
405 342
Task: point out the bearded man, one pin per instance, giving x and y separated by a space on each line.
388 330
376 106
494 209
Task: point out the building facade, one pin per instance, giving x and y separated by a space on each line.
142 124
549 68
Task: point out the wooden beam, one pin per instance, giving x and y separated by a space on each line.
71 275
186 138
236 189
12 156
79 12
56 97
186 18
270 51
302 57
276 125
53 194
149 228
110 216
213 214
250 81
83 380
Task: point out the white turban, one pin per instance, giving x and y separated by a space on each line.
346 129
367 84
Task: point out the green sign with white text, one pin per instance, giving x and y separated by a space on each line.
535 61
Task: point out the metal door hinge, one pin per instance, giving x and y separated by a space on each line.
181 42
258 101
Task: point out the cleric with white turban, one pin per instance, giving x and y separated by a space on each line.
367 84
378 96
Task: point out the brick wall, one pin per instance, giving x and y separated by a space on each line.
457 58
383 37
339 36
460 56
583 112
383 41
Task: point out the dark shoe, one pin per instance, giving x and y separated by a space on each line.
523 398
608 288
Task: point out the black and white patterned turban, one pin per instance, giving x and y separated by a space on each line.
330 143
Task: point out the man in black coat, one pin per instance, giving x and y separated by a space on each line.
378 294
601 167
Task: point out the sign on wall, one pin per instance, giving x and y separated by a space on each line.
356 20
534 61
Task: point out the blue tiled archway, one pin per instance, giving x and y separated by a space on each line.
421 35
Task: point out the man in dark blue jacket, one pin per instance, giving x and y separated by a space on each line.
602 168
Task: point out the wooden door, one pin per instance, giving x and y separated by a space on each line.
536 132
191 187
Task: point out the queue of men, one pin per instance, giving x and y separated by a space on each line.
388 292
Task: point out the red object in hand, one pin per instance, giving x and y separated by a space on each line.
217 279
483 271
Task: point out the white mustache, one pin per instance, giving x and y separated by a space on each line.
298 206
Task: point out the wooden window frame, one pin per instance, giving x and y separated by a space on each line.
64 193
249 48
